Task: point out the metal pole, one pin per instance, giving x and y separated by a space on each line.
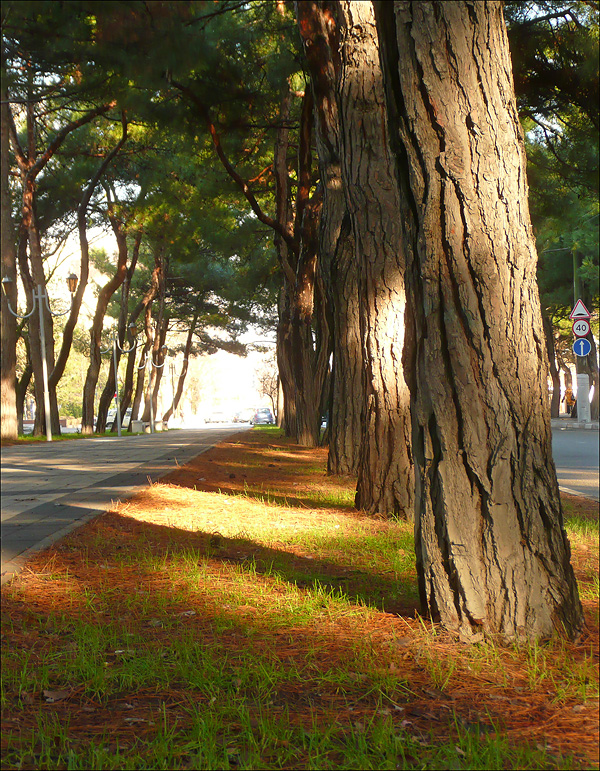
48 417
150 395
117 386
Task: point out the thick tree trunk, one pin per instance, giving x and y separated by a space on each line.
309 356
302 339
320 33
385 477
8 342
492 553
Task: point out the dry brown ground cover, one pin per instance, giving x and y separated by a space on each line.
245 590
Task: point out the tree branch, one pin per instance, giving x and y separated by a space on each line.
62 135
240 182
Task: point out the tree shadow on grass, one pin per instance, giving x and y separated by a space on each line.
169 589
397 595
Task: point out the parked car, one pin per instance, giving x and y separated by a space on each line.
243 416
263 416
112 414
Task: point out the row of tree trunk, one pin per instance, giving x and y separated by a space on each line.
426 244
23 246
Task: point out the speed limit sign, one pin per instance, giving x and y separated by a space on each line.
581 328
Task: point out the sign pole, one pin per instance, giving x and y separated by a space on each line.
581 348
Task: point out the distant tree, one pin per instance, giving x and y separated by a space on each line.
268 381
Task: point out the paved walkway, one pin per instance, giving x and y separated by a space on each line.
48 489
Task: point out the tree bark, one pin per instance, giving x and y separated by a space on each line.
104 297
319 29
8 341
294 287
385 476
67 336
31 162
492 553
184 369
554 374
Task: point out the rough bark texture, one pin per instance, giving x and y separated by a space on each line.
8 342
319 29
303 336
385 476
492 553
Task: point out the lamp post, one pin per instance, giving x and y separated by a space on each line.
148 360
114 346
40 296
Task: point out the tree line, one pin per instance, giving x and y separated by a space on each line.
377 153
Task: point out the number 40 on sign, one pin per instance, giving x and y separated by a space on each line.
581 327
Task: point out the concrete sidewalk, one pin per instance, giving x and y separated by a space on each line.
567 422
49 489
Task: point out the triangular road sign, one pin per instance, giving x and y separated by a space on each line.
580 311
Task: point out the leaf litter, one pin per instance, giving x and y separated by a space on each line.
231 511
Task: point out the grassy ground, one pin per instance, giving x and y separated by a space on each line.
30 439
242 615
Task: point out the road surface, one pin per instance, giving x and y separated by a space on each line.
575 454
48 489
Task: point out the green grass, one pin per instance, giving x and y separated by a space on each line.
29 439
227 735
263 649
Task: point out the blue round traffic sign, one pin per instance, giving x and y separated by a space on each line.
582 347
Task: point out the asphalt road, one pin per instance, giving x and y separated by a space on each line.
48 489
575 453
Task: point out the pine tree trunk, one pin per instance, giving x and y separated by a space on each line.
554 374
8 341
385 476
492 553
337 263
91 379
302 338
184 369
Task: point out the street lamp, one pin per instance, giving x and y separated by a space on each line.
114 346
41 296
148 360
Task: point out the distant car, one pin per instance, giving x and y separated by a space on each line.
243 416
263 416
218 416
112 414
